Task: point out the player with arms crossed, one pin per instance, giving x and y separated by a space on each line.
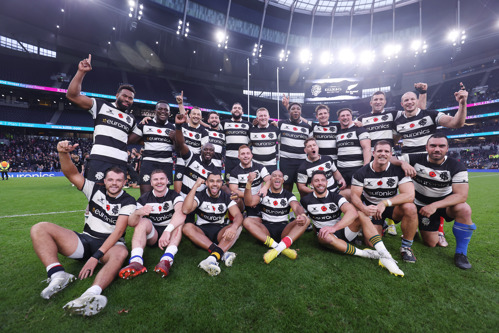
273 225
211 232
102 240
381 190
441 184
158 221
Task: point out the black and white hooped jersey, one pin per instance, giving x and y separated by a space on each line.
194 138
162 207
112 128
379 186
350 153
292 139
217 138
324 212
195 168
434 182
158 146
379 125
324 163
326 138
239 176
105 210
416 130
264 144
275 207
212 210
236 135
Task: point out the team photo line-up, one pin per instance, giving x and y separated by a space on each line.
352 188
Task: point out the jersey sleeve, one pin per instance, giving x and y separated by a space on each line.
338 199
301 175
128 206
88 187
94 109
362 133
358 178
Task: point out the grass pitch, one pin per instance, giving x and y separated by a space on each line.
320 291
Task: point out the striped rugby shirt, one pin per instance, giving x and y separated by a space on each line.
158 146
292 139
416 130
163 207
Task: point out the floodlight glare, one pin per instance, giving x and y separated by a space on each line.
326 58
366 57
305 55
452 36
131 3
346 56
220 36
391 50
416 45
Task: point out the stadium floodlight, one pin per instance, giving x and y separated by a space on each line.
305 56
326 58
366 57
131 3
416 45
346 56
392 50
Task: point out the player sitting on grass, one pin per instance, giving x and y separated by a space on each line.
102 239
273 226
211 232
158 221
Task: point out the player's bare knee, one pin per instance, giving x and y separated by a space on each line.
410 209
39 229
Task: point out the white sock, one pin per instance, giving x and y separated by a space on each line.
383 252
136 255
93 290
49 267
170 252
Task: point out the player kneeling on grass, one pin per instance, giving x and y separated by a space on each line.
381 190
158 221
324 208
211 232
441 184
273 225
102 239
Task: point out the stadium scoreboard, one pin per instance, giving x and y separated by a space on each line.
332 90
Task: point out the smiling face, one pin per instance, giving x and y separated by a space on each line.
195 116
295 113
114 183
378 102
319 183
237 111
263 118
162 112
382 154
276 181
409 102
245 157
214 184
214 120
345 118
124 99
207 152
322 116
159 182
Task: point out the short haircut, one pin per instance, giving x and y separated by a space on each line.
127 87
164 102
243 147
321 107
155 171
379 92
114 169
308 140
344 109
239 104
293 103
438 136
214 173
193 108
382 142
213 112
262 109
318 172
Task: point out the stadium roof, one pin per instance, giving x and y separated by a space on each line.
338 7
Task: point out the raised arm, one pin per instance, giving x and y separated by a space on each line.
422 89
460 117
180 145
189 203
250 200
180 102
74 89
67 166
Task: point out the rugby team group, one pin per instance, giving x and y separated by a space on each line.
352 188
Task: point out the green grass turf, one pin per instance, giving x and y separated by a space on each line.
320 291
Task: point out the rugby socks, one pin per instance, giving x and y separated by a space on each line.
351 250
284 244
93 290
463 233
406 243
170 252
441 227
215 251
270 242
54 268
380 246
136 255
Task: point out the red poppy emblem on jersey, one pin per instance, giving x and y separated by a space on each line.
375 119
432 174
342 136
324 129
295 129
203 171
380 183
120 115
159 208
159 131
213 208
214 134
323 208
263 136
236 125
190 134
275 203
108 207
411 125
321 168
